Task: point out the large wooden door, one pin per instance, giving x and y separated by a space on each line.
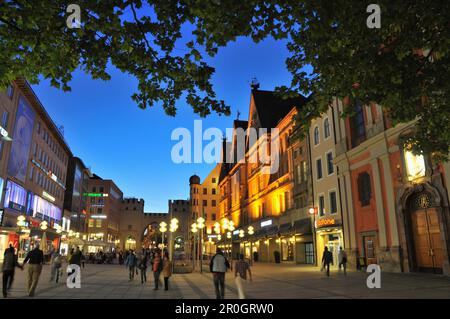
370 249
427 240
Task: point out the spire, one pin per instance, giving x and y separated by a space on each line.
254 84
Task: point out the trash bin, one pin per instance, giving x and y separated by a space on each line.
276 255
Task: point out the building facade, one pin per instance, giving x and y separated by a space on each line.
104 204
36 163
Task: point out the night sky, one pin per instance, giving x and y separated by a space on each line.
119 141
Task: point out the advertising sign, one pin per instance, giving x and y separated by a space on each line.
20 147
15 197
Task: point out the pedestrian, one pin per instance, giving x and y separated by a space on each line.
167 270
55 263
120 258
143 267
83 259
342 257
9 266
327 259
240 273
157 267
75 258
131 263
218 267
35 260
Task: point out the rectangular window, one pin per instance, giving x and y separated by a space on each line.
205 191
213 203
10 91
333 203
5 118
319 168
91 222
205 203
213 191
213 217
321 205
94 189
330 167
30 176
101 189
98 223
214 180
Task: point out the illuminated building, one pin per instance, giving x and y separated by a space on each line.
33 170
397 214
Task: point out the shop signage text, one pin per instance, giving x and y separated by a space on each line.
325 222
95 195
4 134
266 223
48 196
98 216
16 206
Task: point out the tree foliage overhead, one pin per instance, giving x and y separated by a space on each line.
403 66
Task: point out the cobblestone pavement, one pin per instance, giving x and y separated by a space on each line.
270 281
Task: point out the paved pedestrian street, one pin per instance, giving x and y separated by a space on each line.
269 282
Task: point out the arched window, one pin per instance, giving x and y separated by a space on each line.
326 128
316 135
364 189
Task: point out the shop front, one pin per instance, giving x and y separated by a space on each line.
329 234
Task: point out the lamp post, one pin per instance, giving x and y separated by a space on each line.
231 229
194 247
173 228
162 229
217 230
312 211
251 231
201 225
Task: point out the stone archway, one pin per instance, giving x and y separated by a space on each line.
422 229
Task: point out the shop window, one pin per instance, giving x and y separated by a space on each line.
98 223
364 189
91 222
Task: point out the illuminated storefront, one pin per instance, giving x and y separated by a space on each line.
329 234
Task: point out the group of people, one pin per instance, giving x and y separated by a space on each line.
136 262
219 265
327 259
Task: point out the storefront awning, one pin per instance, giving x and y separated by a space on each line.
285 229
302 226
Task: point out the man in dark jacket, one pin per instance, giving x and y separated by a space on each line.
218 267
9 265
35 259
327 259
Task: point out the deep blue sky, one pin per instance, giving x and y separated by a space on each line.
119 141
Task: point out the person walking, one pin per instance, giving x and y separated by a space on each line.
143 267
56 263
327 259
342 257
157 267
9 266
75 258
167 270
218 267
131 263
240 274
35 260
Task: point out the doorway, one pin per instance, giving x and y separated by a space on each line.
370 249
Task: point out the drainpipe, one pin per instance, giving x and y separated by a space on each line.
312 191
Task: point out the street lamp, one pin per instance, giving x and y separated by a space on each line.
201 225
251 231
173 228
194 232
313 211
231 229
162 229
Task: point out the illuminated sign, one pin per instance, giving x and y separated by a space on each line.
95 195
49 174
212 236
4 134
325 222
48 196
98 216
2 211
266 223
236 232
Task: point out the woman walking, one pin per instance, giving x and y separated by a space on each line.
167 270
143 267
157 268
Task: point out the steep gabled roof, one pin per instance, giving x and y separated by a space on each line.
272 109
